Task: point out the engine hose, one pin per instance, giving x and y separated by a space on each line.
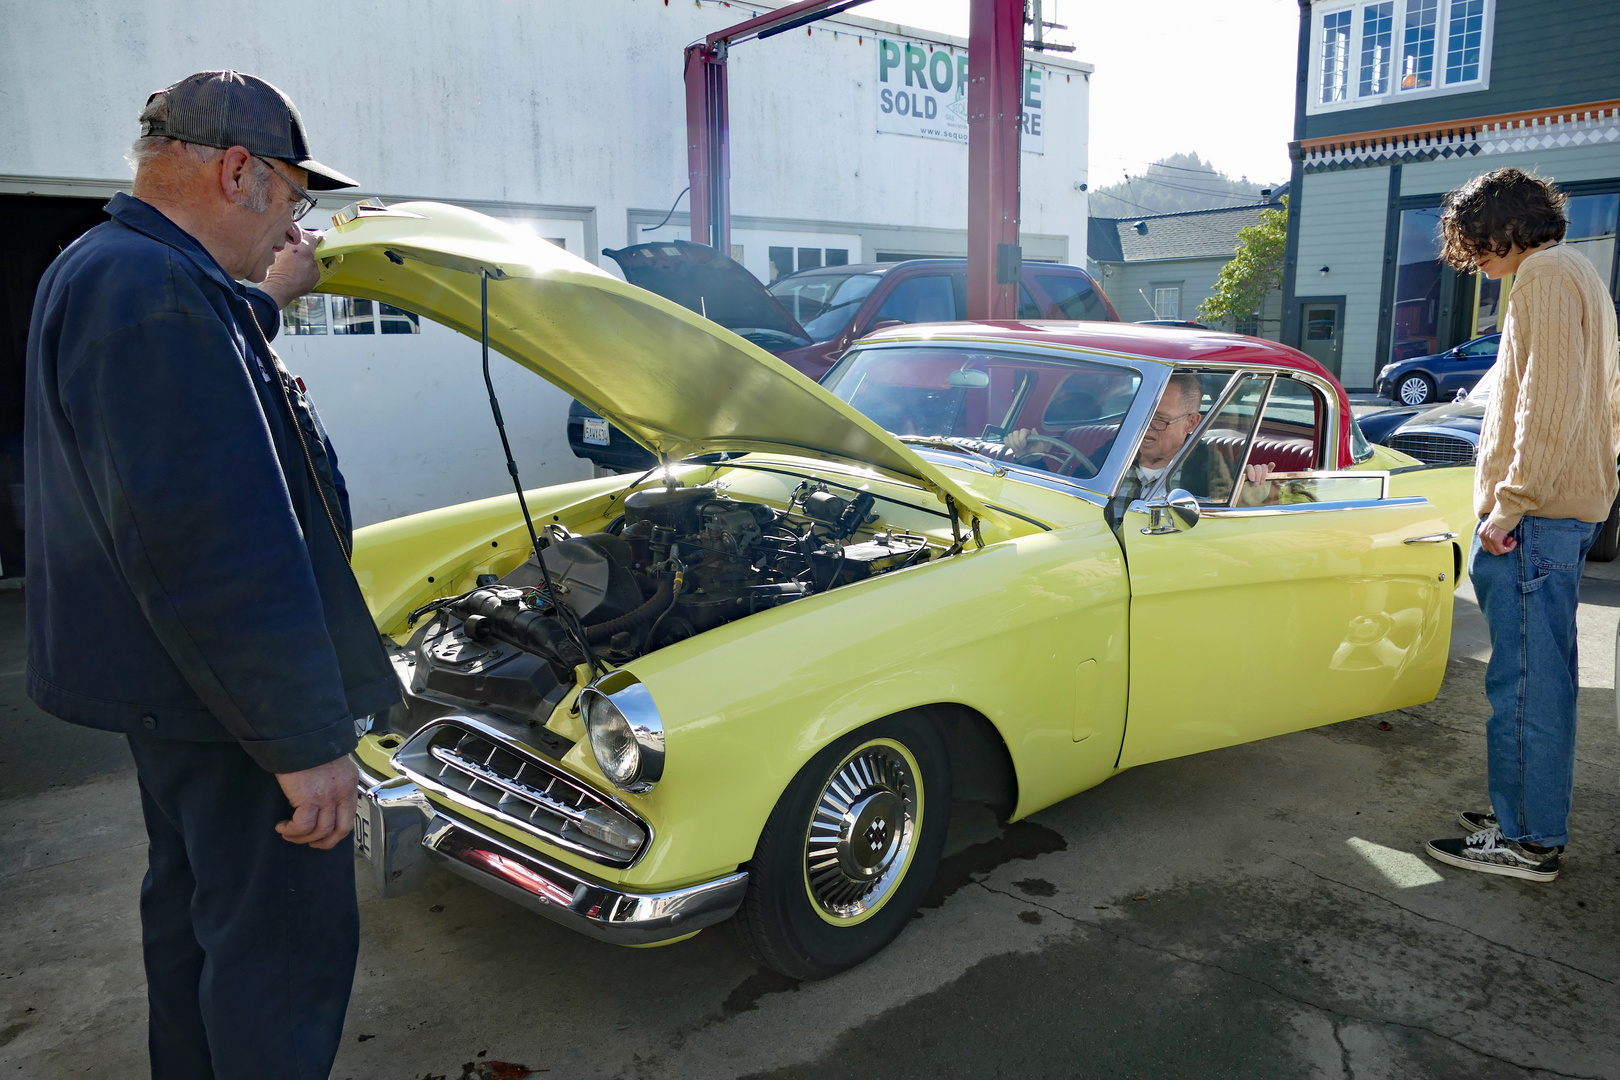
602 631
680 579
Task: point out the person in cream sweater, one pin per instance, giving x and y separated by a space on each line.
1543 484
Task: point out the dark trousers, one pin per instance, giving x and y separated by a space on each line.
250 941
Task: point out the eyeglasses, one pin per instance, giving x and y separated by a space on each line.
1158 424
306 201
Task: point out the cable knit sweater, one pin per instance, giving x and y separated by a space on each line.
1551 431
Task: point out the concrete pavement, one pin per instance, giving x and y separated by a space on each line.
1253 912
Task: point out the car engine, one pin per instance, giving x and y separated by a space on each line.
678 561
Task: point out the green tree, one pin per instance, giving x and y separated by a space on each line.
1253 273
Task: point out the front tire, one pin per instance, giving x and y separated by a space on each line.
1415 390
849 850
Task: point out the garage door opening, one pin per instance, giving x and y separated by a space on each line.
36 228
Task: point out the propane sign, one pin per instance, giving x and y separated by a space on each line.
922 91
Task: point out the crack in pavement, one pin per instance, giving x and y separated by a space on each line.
1286 996
70 862
1450 925
1344 1052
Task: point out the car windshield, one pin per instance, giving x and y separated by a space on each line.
824 303
1062 414
1481 393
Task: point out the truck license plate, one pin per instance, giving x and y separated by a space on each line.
596 432
362 826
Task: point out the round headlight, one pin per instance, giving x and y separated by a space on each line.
626 732
612 741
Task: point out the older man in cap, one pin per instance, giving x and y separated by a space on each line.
188 577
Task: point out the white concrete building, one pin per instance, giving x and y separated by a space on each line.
566 117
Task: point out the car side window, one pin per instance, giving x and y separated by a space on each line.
1208 468
1074 296
1290 436
1027 307
1488 347
925 298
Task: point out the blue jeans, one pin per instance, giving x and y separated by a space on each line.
1528 597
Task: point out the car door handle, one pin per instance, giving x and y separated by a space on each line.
1432 538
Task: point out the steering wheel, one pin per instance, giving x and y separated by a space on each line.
1059 452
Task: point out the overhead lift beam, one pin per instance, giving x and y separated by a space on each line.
995 102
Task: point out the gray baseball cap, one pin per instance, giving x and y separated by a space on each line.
229 108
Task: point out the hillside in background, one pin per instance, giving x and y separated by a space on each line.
1171 185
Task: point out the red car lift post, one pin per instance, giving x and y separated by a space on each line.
708 121
995 104
995 118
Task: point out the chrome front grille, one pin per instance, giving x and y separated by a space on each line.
473 765
1433 449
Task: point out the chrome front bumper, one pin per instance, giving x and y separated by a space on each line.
406 834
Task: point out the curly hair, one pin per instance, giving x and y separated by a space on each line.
1497 212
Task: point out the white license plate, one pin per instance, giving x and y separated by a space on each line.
362 826
596 432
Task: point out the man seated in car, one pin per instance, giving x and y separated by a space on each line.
1205 472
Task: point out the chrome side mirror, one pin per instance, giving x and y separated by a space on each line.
1184 508
1177 513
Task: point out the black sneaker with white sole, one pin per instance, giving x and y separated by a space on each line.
1489 852
1477 820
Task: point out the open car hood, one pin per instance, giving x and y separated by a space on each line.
700 279
674 381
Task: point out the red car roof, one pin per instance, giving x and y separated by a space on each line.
1172 344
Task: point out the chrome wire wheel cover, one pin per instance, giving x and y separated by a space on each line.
862 831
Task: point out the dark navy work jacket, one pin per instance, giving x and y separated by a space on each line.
187 526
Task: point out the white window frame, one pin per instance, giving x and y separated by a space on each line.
1164 293
1354 99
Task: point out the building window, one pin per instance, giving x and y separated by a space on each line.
1377 36
781 262
1463 35
1416 330
1167 301
809 258
1417 44
837 257
1335 56
1593 223
1357 63
352 315
395 320
306 315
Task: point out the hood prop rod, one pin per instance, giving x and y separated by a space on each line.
566 613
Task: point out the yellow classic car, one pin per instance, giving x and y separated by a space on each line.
750 684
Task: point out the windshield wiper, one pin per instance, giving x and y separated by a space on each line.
941 442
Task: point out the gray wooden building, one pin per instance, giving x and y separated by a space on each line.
1400 101
1162 266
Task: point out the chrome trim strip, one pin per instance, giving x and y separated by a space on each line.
1432 538
1306 508
1460 434
465 802
494 779
410 834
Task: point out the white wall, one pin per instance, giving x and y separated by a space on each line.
575 110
